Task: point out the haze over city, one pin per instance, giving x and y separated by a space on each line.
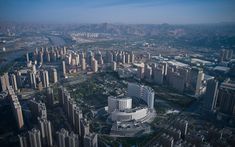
117 73
118 11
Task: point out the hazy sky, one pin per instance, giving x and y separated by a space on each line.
118 11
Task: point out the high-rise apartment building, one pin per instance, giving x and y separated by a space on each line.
38 109
54 77
23 140
143 92
16 108
90 140
35 138
13 82
210 96
158 75
94 65
66 139
83 64
195 80
64 69
4 82
140 72
45 78
226 98
46 132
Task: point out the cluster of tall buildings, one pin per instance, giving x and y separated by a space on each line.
123 57
43 136
74 62
38 109
66 138
72 139
176 135
75 117
46 131
39 79
33 138
47 55
93 60
38 137
225 55
221 97
35 79
181 78
12 80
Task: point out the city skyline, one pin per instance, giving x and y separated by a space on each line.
104 73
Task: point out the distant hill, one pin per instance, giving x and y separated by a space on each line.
217 35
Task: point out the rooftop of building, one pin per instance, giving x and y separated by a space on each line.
228 84
120 97
176 63
131 110
222 68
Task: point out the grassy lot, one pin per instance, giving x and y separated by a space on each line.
172 96
90 93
